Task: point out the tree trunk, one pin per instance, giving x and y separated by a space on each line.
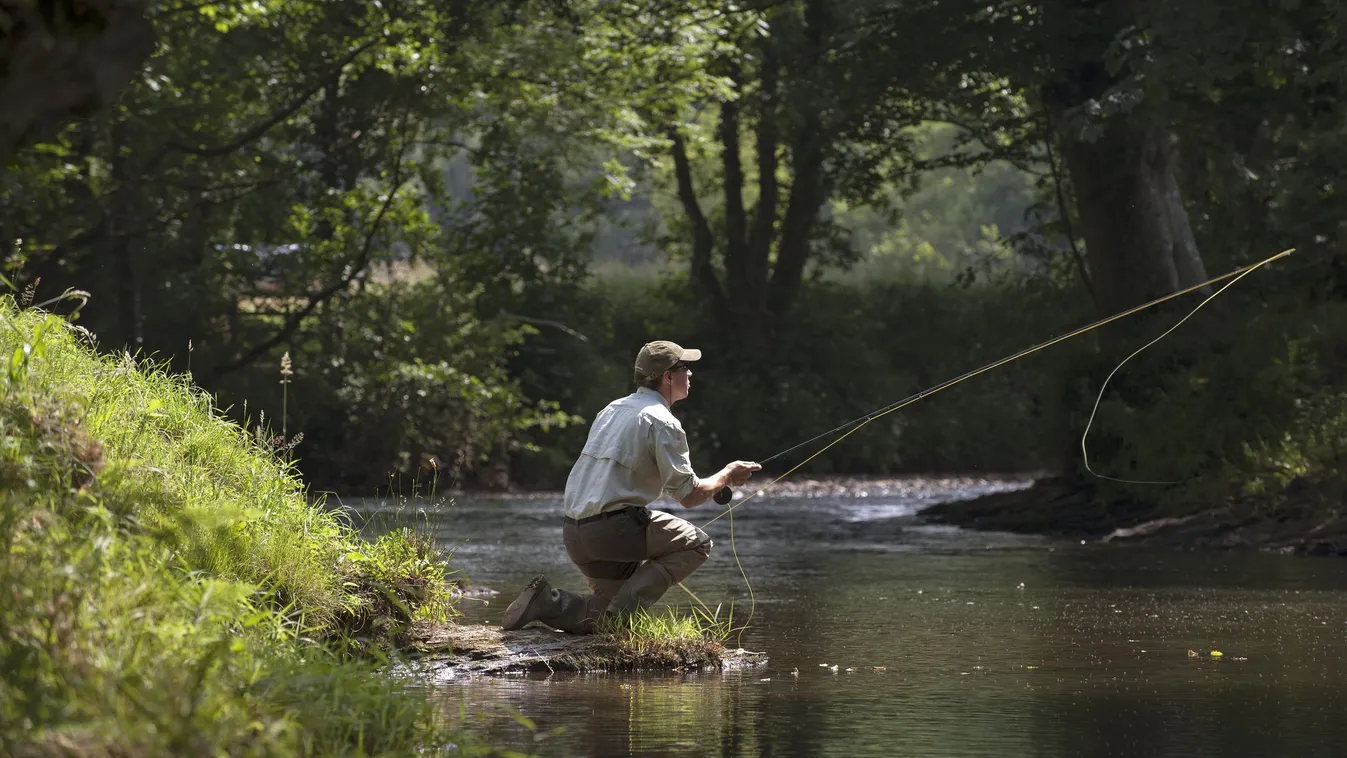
1137 237
59 62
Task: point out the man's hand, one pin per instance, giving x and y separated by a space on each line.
739 472
732 475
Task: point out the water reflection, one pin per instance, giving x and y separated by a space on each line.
990 644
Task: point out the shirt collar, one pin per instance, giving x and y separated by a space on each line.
648 391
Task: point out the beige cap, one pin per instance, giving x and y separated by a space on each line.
659 356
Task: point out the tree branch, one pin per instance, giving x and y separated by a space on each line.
546 322
350 273
265 125
736 223
1065 212
703 242
806 196
768 135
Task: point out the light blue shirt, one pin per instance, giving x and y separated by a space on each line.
636 450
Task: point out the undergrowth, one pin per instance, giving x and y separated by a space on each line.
167 587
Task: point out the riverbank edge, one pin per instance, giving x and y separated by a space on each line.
1304 518
1308 516
449 650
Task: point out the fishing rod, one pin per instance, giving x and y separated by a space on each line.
726 494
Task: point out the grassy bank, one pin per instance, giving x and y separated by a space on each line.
168 589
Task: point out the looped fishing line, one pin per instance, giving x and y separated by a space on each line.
862 421
1084 453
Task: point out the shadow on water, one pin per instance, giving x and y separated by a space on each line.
989 644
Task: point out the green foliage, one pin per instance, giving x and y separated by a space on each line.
405 571
863 346
167 586
412 384
404 198
957 223
1242 399
1231 409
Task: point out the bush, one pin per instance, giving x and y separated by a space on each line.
407 390
851 349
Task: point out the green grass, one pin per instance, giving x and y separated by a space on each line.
647 634
167 588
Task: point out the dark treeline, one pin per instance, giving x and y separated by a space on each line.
847 202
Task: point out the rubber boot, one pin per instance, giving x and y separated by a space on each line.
536 603
642 589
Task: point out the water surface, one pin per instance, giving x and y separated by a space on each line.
990 644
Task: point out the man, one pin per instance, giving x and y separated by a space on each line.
629 554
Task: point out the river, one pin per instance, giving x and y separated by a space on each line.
945 642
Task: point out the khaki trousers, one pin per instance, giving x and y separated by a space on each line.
630 559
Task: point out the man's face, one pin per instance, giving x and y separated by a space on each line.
679 382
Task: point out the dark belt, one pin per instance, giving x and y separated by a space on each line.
601 516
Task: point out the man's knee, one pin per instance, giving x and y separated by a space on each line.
703 546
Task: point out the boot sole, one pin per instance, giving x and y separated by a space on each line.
513 619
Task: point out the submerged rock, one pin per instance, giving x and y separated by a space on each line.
453 650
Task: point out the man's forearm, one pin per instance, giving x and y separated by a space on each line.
705 489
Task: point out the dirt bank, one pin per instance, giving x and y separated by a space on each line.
1307 517
453 650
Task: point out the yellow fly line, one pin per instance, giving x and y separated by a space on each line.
1234 276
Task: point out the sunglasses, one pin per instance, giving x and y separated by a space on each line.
679 366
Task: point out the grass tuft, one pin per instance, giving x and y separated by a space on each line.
670 633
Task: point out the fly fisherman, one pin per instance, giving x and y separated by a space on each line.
629 554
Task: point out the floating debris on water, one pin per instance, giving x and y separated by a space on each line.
1216 654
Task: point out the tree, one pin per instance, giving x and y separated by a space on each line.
799 125
61 60
255 190
1023 77
270 155
1121 157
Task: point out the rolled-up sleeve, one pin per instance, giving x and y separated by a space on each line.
675 465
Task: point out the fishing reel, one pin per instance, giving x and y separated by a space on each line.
724 495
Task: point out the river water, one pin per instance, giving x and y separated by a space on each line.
989 644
